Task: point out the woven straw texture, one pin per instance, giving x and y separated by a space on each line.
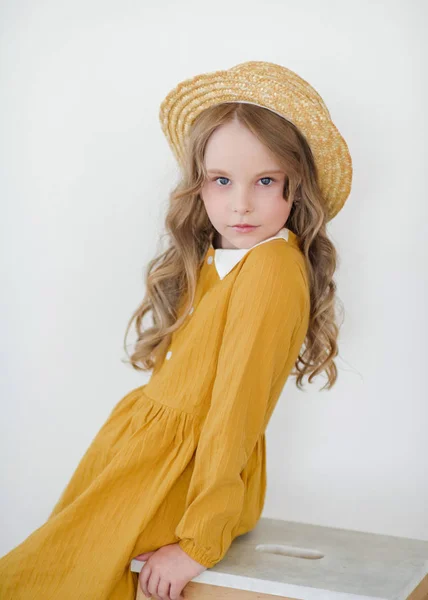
274 87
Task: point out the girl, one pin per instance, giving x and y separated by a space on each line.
178 469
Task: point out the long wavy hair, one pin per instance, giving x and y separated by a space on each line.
171 277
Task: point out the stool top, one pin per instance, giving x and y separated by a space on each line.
314 562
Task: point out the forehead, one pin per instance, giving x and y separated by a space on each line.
232 147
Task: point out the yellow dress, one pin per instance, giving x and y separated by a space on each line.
181 458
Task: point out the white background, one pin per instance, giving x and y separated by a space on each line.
85 178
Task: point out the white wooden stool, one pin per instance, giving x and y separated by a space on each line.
298 561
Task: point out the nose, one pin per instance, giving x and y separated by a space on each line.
241 201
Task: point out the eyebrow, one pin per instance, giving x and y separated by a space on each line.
220 172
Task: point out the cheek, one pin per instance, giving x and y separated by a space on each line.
212 199
275 206
213 205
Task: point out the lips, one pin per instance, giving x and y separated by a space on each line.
244 228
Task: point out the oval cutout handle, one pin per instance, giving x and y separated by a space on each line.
289 551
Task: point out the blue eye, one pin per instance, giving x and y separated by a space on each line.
220 178
267 178
263 178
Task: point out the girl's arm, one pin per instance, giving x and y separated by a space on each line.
268 302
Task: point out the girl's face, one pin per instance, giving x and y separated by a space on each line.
244 185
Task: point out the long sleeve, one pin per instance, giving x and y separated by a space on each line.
267 304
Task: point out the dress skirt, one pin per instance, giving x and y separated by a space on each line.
125 497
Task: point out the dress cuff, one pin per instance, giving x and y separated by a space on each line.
196 552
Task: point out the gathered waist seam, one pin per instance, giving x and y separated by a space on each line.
196 416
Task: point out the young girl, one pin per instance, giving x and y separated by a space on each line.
178 470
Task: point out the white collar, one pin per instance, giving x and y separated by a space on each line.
226 258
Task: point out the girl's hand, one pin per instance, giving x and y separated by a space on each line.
166 572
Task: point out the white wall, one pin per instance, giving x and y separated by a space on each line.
85 176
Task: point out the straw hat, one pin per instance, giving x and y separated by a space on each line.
280 90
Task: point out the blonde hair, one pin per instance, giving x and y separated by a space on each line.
172 276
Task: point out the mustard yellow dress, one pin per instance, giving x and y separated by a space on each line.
181 458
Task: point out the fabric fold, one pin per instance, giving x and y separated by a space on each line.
138 454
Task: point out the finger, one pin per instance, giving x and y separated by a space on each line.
175 591
163 589
153 583
144 578
144 556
